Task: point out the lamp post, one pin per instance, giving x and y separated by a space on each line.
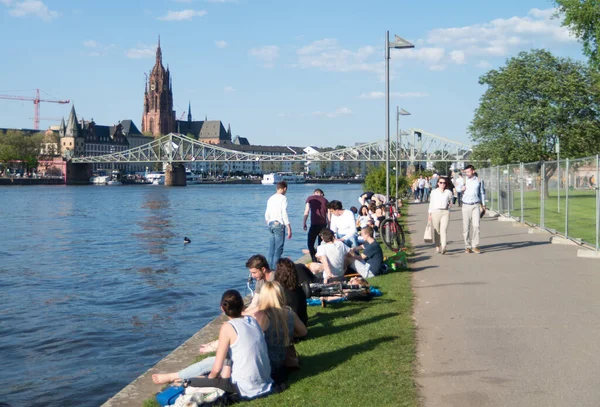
399 112
399 43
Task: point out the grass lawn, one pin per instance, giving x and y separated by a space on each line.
582 212
357 353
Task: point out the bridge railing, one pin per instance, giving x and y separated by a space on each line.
562 197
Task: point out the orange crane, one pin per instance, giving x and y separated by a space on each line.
36 105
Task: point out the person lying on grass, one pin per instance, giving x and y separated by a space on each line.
241 364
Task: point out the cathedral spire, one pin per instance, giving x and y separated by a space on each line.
189 111
158 52
72 129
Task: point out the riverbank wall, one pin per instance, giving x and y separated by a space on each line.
142 388
31 181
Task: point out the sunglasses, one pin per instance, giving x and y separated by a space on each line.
443 183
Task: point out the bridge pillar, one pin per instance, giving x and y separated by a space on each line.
175 175
78 174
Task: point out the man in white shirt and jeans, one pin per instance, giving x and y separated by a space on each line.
277 221
343 224
473 198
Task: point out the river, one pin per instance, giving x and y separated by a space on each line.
97 285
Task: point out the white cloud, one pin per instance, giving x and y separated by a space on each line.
268 54
90 44
229 89
221 1
398 95
340 111
142 51
182 15
328 55
221 44
458 57
484 64
35 8
503 36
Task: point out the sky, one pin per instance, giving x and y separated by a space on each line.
281 73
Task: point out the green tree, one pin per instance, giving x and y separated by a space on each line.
583 19
531 102
442 167
375 181
20 147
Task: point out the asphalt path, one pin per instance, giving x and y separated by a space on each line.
517 325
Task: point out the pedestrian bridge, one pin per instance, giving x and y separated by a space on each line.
414 146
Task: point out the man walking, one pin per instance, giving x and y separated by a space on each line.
473 198
459 183
316 205
277 221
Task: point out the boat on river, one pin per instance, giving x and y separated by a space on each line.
289 177
156 177
100 180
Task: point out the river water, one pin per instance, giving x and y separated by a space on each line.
97 285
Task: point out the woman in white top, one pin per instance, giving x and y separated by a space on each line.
439 213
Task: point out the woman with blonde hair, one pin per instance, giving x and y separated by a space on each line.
280 325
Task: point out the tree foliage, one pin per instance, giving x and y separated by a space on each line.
583 19
531 102
20 147
375 181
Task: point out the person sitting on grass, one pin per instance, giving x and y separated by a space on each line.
280 325
334 257
295 297
247 370
343 224
372 256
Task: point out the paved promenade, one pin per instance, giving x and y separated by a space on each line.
518 325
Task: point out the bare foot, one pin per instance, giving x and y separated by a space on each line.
209 347
162 378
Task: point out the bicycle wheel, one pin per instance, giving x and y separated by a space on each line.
392 234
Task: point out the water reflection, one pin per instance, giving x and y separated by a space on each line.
156 225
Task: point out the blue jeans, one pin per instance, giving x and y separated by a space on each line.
201 368
276 241
351 241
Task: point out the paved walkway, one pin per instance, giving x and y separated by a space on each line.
518 325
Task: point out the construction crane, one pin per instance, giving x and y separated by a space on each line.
182 116
36 105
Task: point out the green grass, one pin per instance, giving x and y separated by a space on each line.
357 353
582 212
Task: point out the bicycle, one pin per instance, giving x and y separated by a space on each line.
390 230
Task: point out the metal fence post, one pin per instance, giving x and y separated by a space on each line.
542 193
498 188
567 199
522 172
508 197
597 202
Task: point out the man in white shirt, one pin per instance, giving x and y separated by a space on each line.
459 183
473 198
333 255
343 224
421 186
277 221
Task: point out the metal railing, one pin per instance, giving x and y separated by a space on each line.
562 197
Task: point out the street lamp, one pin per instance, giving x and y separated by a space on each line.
399 43
399 112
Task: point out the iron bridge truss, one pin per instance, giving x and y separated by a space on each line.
415 145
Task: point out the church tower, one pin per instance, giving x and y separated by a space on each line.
159 116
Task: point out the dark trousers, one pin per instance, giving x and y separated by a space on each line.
313 235
218 382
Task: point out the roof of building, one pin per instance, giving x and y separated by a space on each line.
129 128
28 131
243 141
213 129
266 149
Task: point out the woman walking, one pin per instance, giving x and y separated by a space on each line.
439 213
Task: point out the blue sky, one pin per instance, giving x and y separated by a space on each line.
295 73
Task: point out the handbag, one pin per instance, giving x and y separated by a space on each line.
169 395
428 235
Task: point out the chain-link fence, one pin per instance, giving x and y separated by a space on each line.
562 196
